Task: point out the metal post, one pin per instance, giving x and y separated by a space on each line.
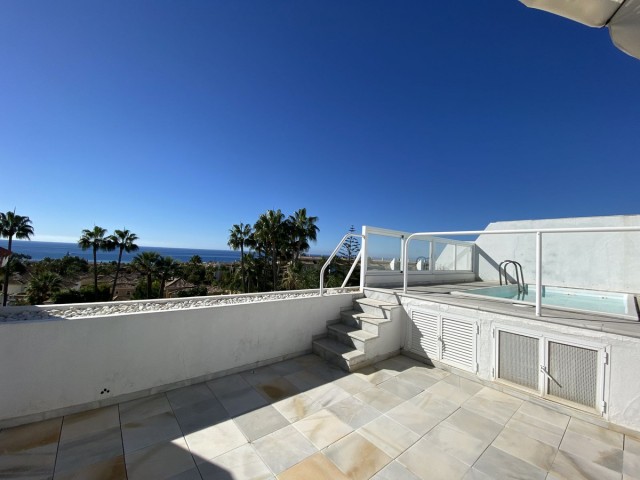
405 263
363 258
538 274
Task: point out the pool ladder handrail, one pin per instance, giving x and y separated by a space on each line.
502 269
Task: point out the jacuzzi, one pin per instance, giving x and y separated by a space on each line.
620 305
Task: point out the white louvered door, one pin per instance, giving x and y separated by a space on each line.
458 342
424 334
444 338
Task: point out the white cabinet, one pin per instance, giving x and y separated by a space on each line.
553 366
446 338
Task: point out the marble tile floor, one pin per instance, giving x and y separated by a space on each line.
304 419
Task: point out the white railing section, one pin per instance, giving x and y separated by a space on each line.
441 255
335 252
538 232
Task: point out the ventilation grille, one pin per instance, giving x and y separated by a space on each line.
574 373
518 359
424 334
457 342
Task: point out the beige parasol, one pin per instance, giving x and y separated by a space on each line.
621 16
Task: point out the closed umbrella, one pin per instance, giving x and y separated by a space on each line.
621 16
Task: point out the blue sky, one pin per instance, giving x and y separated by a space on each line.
178 119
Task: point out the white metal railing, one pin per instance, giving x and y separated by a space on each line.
537 231
333 254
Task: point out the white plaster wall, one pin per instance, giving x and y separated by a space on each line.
52 365
623 397
598 261
390 334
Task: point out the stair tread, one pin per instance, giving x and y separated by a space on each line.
366 317
346 352
375 303
353 331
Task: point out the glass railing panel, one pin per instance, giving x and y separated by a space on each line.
464 257
384 253
444 256
418 255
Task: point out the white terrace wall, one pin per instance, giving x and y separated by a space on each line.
56 366
597 261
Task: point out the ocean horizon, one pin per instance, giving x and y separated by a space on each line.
40 250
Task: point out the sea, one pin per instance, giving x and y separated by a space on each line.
40 250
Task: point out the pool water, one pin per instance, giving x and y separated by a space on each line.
619 304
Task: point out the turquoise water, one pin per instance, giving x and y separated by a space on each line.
594 301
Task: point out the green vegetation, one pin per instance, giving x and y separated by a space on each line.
42 286
18 226
238 237
271 258
275 260
350 247
124 241
146 263
95 240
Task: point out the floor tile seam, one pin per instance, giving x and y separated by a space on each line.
322 451
122 441
596 438
558 448
494 439
55 463
536 423
487 418
420 437
586 459
595 442
183 437
263 460
215 395
526 434
555 454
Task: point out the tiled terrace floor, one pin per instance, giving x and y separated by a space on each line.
303 419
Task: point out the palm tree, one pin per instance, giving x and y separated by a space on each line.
95 239
269 230
12 225
42 285
238 236
123 240
303 230
146 263
166 267
292 277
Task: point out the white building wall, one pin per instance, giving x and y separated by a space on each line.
597 261
53 367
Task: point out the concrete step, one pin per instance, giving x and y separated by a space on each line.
351 336
374 307
347 358
364 321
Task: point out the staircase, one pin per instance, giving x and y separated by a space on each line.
355 340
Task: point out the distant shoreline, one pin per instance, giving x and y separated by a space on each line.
40 250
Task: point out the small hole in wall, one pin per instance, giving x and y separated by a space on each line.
104 390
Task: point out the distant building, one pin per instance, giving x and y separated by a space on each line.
125 288
172 288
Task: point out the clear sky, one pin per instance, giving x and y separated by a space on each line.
177 119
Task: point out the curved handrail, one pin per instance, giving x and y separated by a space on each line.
335 251
502 269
